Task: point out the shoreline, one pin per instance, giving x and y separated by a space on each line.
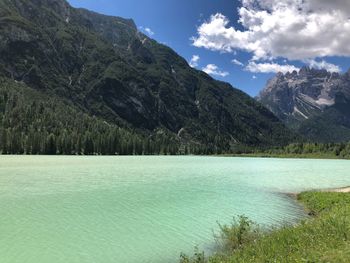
319 236
287 156
244 155
345 189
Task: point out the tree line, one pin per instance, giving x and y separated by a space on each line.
33 123
333 150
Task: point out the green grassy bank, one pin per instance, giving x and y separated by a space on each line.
292 155
324 237
298 150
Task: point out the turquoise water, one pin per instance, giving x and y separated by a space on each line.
143 209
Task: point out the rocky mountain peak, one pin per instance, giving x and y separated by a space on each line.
294 96
300 96
305 70
30 8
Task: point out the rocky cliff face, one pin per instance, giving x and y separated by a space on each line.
307 99
108 69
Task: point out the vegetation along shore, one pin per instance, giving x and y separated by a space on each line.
323 237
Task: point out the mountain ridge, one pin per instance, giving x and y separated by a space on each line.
313 102
106 68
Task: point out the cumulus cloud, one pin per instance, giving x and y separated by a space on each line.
194 61
324 65
149 31
212 69
269 67
237 62
292 29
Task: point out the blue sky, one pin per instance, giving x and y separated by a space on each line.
210 30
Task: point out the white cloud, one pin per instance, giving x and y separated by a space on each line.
292 29
269 67
237 62
194 61
149 31
212 69
254 77
324 65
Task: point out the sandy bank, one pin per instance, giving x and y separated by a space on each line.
338 190
334 190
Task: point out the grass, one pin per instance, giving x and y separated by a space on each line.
324 237
291 155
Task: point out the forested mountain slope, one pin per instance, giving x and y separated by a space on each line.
105 69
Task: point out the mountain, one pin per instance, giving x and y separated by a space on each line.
315 103
104 68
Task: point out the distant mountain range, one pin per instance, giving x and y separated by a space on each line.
315 103
61 64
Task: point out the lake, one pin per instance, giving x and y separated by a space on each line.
79 209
